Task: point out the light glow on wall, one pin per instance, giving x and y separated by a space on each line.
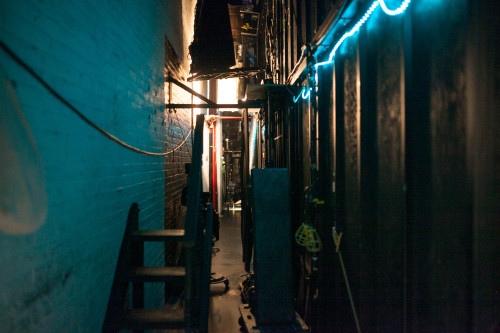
227 92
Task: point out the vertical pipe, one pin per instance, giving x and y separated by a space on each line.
268 135
219 151
213 97
206 157
245 216
214 168
192 114
259 144
212 91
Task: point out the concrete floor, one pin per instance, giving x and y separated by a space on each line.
224 302
224 313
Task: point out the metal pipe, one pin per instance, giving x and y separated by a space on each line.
214 169
215 118
243 105
191 91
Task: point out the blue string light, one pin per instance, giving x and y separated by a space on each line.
397 11
304 93
392 12
295 99
348 34
359 24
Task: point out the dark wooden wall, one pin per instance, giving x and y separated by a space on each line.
408 163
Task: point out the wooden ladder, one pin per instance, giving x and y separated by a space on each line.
196 238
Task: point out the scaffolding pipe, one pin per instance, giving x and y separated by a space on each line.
214 168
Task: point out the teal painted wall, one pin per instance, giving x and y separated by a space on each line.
106 58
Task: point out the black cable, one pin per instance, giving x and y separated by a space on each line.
61 99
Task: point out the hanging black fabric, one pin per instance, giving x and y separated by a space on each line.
212 47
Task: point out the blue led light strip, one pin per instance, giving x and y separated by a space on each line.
392 12
304 93
348 34
359 24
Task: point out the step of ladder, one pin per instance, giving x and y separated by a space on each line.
157 274
151 319
172 235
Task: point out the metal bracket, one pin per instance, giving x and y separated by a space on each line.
170 79
209 103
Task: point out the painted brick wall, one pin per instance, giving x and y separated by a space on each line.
107 58
178 125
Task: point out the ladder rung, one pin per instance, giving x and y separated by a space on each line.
157 274
152 319
176 235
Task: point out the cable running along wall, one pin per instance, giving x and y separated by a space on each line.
70 106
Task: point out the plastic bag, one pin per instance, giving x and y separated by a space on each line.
23 200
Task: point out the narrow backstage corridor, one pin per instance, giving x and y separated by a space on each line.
250 166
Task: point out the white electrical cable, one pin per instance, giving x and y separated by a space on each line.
52 91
